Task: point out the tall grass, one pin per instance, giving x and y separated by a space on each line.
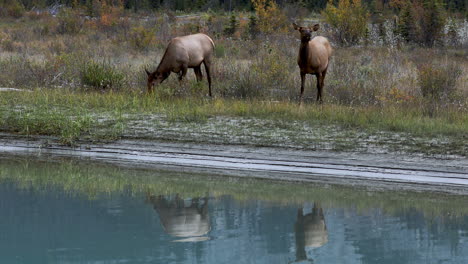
40 53
54 104
372 88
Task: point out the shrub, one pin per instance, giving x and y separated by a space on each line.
215 25
452 33
438 81
110 16
69 22
12 9
6 43
20 71
94 8
348 19
141 38
270 17
101 75
219 50
246 85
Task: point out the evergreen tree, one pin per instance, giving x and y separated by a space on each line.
232 27
253 26
434 22
406 23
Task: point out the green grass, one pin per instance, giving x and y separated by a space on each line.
94 115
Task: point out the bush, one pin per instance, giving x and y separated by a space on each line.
270 17
357 86
348 19
69 22
20 71
101 75
438 81
141 38
219 50
6 43
215 25
12 9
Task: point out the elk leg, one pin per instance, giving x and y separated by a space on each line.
198 73
303 75
319 87
208 76
322 83
183 72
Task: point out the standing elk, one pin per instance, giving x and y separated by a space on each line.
310 230
314 57
183 53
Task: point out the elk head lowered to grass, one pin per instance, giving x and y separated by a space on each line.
314 57
183 53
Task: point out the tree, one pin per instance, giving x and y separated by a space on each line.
232 27
406 24
434 22
270 17
421 21
253 26
348 19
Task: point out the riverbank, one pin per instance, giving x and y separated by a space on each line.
72 117
379 171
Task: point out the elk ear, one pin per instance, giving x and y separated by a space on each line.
147 72
316 27
296 27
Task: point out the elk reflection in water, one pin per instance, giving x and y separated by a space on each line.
186 218
310 231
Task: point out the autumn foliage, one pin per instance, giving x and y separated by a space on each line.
270 17
348 19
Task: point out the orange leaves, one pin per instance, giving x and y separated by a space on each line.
270 17
349 19
110 14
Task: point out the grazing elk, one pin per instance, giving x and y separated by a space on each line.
183 53
314 57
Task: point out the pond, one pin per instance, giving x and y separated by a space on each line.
69 211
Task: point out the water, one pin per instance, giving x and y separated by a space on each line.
73 212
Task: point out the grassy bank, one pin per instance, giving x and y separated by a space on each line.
86 81
94 116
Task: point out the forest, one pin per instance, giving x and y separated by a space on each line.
377 6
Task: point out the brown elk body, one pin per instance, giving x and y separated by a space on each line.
183 53
314 57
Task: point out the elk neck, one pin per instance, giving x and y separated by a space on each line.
303 53
163 64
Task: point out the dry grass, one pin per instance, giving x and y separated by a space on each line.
378 87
